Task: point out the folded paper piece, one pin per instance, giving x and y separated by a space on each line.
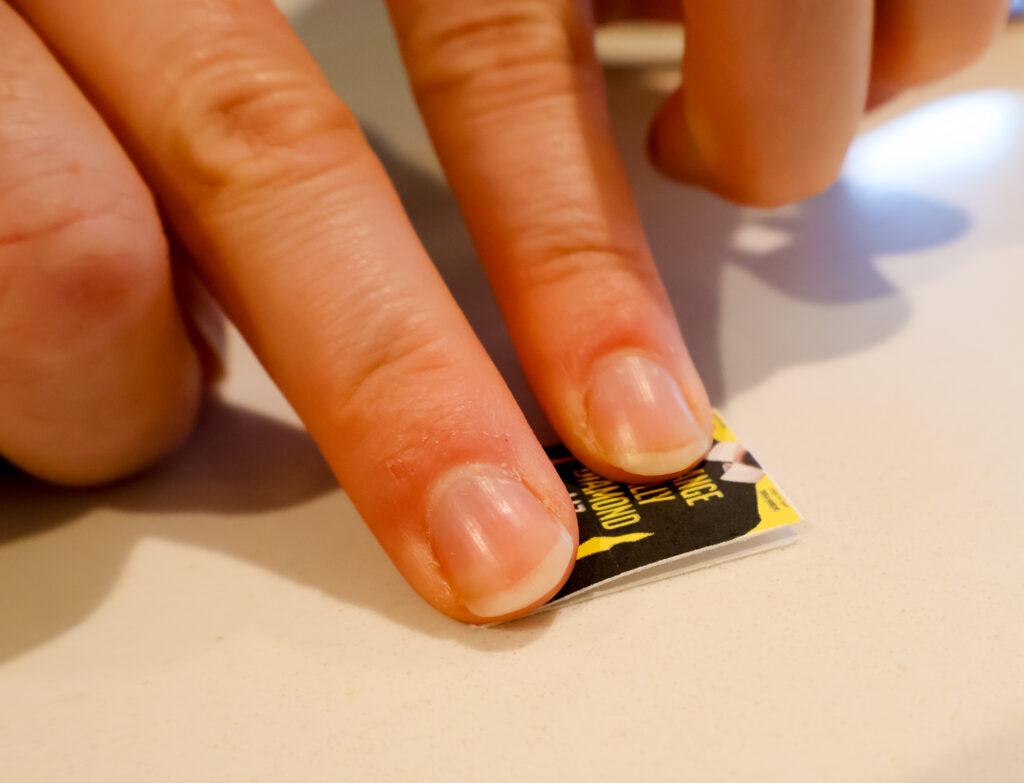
723 508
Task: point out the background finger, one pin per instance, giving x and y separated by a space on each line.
772 94
513 97
301 237
97 378
918 41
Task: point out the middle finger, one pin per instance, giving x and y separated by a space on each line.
514 98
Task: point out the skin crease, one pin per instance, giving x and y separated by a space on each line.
264 178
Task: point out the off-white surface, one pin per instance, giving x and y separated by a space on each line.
228 618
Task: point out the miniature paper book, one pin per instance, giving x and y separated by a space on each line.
723 508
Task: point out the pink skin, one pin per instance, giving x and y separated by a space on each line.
89 332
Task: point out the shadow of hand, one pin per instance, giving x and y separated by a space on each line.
59 559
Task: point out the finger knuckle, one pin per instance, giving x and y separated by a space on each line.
492 49
238 114
605 294
72 271
767 190
588 273
562 265
403 375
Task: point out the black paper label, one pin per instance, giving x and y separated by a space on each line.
626 527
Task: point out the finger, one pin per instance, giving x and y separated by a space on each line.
772 94
302 239
97 378
513 98
918 41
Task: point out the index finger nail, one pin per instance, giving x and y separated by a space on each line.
498 546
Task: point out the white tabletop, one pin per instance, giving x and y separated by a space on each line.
227 617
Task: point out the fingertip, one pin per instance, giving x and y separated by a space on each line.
500 549
639 419
742 168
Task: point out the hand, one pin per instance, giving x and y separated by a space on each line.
275 200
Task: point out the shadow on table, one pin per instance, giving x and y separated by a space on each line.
215 495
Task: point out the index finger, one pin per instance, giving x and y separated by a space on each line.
265 175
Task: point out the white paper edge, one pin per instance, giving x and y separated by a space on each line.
733 549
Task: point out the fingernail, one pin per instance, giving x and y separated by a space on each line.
500 549
640 418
